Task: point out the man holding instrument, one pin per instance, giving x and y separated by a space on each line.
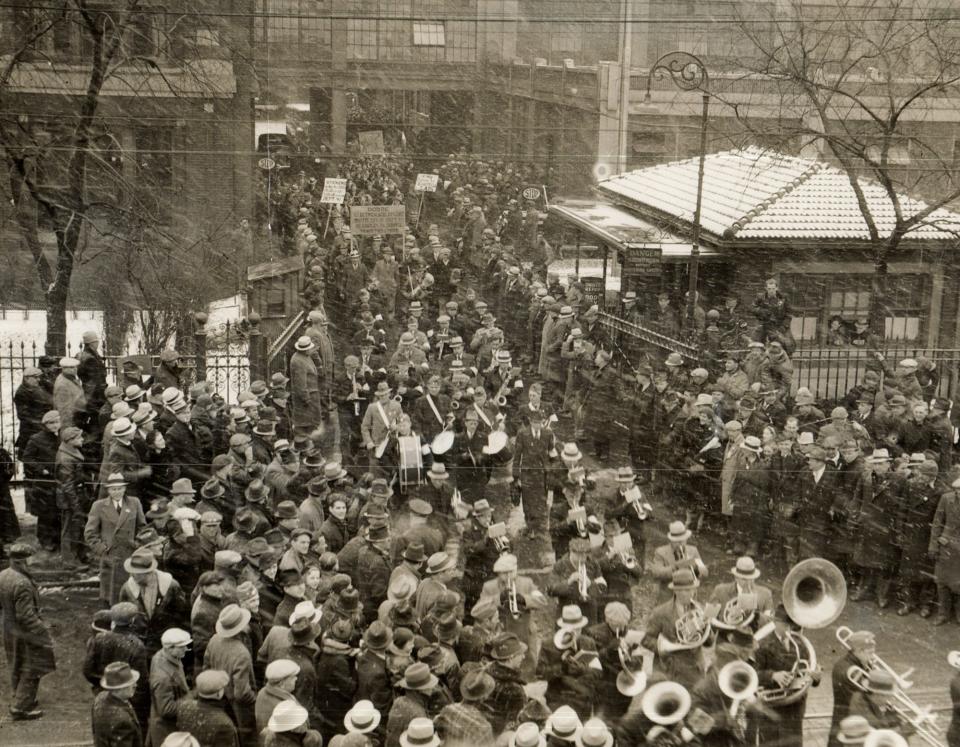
862 648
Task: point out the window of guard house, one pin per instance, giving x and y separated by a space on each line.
428 34
826 307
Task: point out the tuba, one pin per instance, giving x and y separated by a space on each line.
814 594
667 704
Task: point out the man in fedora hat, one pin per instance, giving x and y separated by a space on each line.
206 716
437 490
121 457
157 594
854 730
228 652
577 569
417 684
681 664
877 544
479 550
379 418
570 638
110 532
744 585
373 677
412 561
750 496
113 719
631 510
26 640
465 721
440 570
373 568
509 654
534 450
305 387
676 554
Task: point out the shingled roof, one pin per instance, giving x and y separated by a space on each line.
755 194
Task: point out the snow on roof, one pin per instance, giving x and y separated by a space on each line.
759 194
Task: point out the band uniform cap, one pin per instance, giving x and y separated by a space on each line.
280 669
506 563
439 562
304 344
563 724
528 735
118 675
594 733
287 715
168 355
745 568
881 681
506 646
175 637
21 551
673 360
141 561
854 730
232 620
572 618
182 486
68 362
420 733
683 579
861 638
418 676
678 531
211 681
362 718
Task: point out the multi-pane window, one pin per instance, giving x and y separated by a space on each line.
428 34
294 28
825 307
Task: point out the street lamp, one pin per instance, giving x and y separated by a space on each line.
689 74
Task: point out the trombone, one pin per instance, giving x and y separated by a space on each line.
921 719
583 583
512 597
901 680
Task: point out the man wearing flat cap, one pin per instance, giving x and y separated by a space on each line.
168 684
92 373
26 640
206 715
39 457
31 401
68 398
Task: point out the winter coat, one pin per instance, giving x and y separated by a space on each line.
169 611
918 509
185 451
31 402
93 374
208 722
26 640
336 684
304 391
71 475
112 539
114 722
945 541
120 644
877 521
405 709
69 401
267 699
122 458
233 657
168 686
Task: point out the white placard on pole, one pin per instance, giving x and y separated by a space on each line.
334 190
372 220
426 183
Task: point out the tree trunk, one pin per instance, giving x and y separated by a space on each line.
57 319
878 297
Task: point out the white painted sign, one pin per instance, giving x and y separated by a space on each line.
370 220
334 190
426 183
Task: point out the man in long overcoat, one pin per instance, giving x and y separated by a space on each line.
915 573
877 549
31 401
26 640
39 458
945 551
305 387
110 533
93 375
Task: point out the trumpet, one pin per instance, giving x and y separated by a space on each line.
583 582
398 398
901 680
921 719
629 682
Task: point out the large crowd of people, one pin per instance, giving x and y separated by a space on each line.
337 557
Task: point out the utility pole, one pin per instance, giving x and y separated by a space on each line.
626 40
